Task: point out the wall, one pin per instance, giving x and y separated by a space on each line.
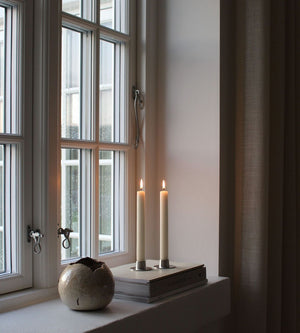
188 126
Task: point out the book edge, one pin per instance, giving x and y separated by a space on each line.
149 299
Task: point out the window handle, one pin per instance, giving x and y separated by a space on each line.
138 98
36 235
66 232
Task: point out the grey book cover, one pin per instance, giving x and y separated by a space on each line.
148 286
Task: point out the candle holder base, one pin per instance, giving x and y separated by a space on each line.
164 264
140 266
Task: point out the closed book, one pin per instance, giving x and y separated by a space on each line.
149 286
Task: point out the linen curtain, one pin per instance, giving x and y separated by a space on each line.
260 163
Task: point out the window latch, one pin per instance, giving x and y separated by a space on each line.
66 232
138 98
36 236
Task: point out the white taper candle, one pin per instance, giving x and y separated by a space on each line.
140 227
163 222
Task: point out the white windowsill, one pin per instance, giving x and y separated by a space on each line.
185 312
23 298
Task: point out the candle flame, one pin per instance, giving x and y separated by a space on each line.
163 185
141 184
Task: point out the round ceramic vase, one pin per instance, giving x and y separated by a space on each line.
86 285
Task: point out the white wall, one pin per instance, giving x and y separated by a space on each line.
188 126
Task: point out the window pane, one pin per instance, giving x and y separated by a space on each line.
71 77
10 120
79 8
111 201
2 225
2 66
70 103
76 101
70 200
9 206
113 14
106 91
112 103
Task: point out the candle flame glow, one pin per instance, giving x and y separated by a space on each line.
163 185
141 184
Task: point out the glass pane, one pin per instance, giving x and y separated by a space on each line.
2 67
9 94
70 200
83 9
9 206
114 14
10 118
112 104
72 7
2 225
106 91
111 200
70 85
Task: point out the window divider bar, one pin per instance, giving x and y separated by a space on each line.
113 36
114 146
11 138
78 23
65 143
11 2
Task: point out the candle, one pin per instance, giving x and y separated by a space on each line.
163 222
140 227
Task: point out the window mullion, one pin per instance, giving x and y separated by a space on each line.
95 220
46 120
97 11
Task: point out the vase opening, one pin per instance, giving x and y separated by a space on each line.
89 262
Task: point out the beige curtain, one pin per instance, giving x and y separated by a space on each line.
260 163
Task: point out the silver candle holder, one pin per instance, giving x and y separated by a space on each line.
140 266
164 264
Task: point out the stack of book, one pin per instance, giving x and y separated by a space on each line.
150 286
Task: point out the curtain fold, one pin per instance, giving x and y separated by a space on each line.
260 170
251 153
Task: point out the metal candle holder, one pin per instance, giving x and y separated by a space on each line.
140 266
164 264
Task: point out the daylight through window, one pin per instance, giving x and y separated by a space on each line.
94 125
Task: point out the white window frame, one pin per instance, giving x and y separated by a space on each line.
127 231
40 91
21 276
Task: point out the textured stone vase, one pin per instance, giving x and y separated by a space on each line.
86 285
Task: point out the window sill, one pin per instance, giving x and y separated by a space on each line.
27 297
185 312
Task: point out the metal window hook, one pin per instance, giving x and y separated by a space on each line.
36 235
66 232
138 98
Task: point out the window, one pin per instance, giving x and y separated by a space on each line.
95 149
73 152
15 149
